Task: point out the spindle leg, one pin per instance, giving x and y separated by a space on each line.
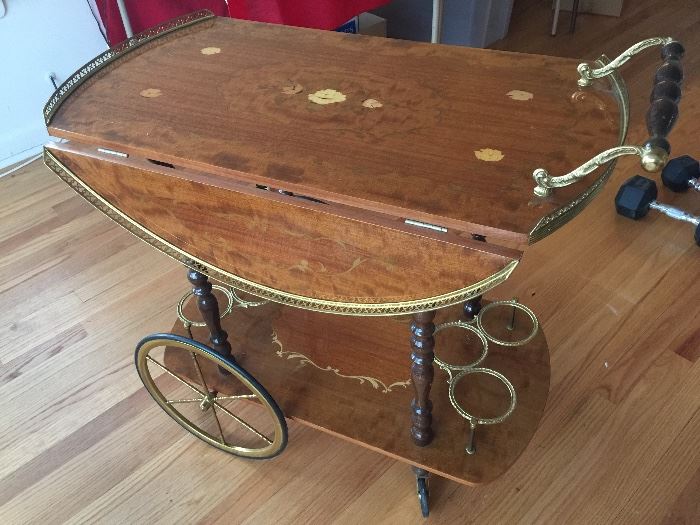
209 308
422 344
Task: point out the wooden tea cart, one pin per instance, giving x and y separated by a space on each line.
387 182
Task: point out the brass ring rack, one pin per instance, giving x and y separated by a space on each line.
516 306
456 373
189 322
233 301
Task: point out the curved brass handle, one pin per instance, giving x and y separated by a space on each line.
588 74
546 182
660 118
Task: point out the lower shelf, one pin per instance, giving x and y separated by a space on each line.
349 376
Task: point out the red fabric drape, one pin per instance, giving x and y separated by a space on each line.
319 14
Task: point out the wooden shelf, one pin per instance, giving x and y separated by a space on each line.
349 376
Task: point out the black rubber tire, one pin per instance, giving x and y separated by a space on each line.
239 371
423 496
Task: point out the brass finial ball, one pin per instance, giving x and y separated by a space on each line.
653 159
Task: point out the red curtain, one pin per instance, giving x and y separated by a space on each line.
319 14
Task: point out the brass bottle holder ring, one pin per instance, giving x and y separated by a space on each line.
513 303
456 373
232 298
188 323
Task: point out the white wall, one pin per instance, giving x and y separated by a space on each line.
38 37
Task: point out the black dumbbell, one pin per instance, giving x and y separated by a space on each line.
681 173
637 196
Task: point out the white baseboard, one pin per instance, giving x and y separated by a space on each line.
19 157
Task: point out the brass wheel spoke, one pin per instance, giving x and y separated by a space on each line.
198 397
176 401
246 425
199 371
242 396
173 401
218 424
167 371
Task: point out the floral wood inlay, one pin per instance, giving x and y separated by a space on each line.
516 94
489 155
327 96
151 93
303 361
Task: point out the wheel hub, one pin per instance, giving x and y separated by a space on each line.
207 401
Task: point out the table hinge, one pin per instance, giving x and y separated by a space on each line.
112 152
427 225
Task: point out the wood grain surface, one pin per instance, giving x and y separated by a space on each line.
81 440
454 143
349 377
305 251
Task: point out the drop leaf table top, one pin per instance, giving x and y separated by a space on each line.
401 172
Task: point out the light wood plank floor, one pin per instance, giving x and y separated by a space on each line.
81 441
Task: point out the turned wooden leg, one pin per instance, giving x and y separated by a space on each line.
209 308
472 307
422 344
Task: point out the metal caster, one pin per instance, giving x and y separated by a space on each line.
422 490
182 377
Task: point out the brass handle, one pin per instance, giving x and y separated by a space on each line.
663 111
660 118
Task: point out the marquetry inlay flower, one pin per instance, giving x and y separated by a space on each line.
372 103
489 155
151 93
516 94
327 96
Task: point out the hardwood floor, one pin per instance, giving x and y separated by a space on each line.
81 441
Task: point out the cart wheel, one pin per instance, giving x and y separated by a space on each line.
198 407
423 496
422 476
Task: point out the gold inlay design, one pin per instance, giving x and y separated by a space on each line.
516 94
151 93
371 103
303 360
327 96
210 50
489 155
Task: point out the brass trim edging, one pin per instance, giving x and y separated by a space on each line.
113 53
556 219
266 292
